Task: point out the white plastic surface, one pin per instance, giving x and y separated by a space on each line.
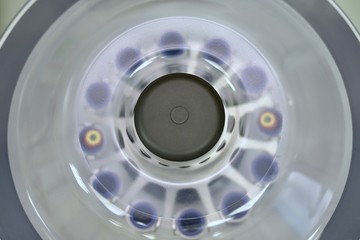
49 167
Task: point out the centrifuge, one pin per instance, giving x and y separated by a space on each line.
155 119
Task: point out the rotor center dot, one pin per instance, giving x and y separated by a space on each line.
179 115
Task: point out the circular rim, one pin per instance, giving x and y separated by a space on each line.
334 28
348 51
17 34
